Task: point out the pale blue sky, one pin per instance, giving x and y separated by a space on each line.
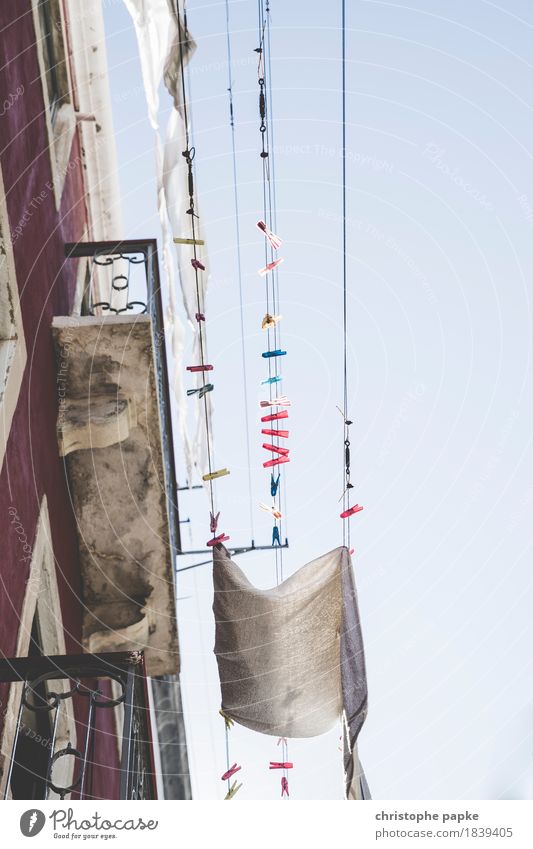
440 208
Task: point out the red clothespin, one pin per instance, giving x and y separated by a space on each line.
197 264
284 787
270 266
199 316
231 771
281 740
276 462
213 522
283 434
200 368
351 511
273 417
216 540
274 240
280 765
282 401
283 451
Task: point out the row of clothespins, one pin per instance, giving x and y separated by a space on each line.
279 453
233 770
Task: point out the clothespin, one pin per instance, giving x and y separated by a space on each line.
180 241
213 521
351 551
281 740
283 434
277 461
203 390
274 483
284 787
274 240
282 401
210 476
199 316
268 447
281 765
275 535
276 353
232 791
351 511
270 321
275 379
230 772
228 721
270 266
217 540
273 510
274 417
197 264
200 368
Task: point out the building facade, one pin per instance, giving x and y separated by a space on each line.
88 515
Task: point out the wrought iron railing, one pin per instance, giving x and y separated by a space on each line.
91 686
124 280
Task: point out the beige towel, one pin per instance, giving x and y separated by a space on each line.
291 659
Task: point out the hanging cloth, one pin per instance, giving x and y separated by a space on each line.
291 658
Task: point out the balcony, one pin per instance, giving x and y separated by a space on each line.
115 434
82 728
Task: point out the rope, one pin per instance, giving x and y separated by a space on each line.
347 484
239 267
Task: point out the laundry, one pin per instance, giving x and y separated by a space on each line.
291 659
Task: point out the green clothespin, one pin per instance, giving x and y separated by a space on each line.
228 721
232 791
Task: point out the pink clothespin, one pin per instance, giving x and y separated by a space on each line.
199 316
281 740
273 510
282 401
274 240
216 540
270 267
280 765
281 433
200 368
273 417
197 264
351 511
276 462
283 451
351 551
213 522
231 771
284 787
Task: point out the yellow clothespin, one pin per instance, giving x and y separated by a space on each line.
179 241
232 791
228 721
212 475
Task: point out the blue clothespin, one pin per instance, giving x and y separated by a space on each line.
275 535
274 483
276 353
271 380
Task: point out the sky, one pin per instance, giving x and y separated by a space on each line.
440 250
